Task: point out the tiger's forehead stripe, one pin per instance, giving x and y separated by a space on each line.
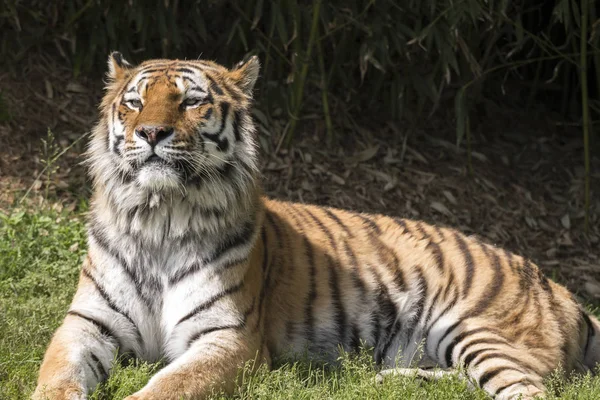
186 70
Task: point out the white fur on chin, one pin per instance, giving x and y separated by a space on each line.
158 177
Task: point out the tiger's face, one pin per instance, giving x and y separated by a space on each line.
171 122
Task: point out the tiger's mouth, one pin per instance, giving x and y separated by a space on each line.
154 158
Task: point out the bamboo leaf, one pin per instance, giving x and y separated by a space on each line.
258 11
233 31
460 111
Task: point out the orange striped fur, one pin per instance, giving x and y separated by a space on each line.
190 264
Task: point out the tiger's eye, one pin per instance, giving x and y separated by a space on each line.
135 103
192 101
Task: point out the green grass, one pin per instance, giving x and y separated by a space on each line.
40 254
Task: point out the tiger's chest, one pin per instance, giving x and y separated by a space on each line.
165 290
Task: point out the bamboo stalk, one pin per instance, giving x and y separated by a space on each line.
299 92
469 146
324 94
585 111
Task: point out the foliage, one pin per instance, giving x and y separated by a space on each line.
382 55
383 58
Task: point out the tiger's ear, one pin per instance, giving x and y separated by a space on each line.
117 66
245 74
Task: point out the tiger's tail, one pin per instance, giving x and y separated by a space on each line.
591 344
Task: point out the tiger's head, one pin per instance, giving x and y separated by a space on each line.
171 124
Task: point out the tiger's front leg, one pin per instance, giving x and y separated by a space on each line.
211 363
82 349
79 357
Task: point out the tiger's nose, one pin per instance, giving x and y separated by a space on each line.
153 134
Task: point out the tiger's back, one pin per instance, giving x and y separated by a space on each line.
189 263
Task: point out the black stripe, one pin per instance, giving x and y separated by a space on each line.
527 275
470 268
231 263
178 277
99 366
503 388
214 86
189 79
398 275
438 230
294 214
376 329
212 212
236 125
396 328
448 307
458 338
445 335
237 326
401 222
91 367
510 260
104 329
312 292
471 356
340 317
491 374
280 239
195 88
222 144
590 331
438 255
206 331
129 80
507 357
186 70
211 301
271 219
387 316
116 144
421 230
208 113
479 341
354 268
237 240
370 223
420 304
493 288
322 228
231 92
450 285
110 302
101 240
151 71
434 303
338 221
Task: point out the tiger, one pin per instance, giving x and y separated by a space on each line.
190 264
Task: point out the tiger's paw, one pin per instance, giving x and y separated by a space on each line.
62 393
141 396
